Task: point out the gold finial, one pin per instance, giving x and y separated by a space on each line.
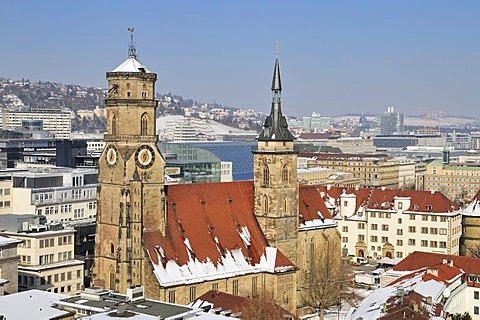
276 48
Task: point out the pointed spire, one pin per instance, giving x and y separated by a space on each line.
276 127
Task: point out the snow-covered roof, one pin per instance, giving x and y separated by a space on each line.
32 304
131 65
473 209
4 241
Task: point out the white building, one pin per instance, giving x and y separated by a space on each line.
57 121
61 194
46 255
394 223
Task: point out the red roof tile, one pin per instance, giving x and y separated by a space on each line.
311 202
419 259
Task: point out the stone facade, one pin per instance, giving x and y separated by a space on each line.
9 265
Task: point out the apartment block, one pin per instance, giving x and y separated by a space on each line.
46 254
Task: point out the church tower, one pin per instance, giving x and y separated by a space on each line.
275 177
131 177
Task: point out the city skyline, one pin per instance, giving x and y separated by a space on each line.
336 57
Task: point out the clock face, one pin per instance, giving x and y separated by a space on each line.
144 156
111 155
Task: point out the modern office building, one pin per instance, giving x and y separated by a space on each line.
391 122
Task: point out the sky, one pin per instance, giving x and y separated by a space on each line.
336 57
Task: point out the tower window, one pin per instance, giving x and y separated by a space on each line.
114 124
265 204
285 204
285 174
144 125
112 248
144 91
265 175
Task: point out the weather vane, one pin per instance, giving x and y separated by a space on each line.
276 48
132 51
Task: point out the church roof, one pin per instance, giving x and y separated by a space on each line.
131 65
213 233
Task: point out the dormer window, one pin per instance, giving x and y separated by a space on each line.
429 207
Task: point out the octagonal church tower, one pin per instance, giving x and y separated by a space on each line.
131 177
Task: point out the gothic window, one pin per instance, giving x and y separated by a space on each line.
265 204
143 125
128 90
265 175
285 174
112 248
114 124
144 91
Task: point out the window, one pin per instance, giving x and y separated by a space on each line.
433 231
215 286
443 244
345 229
476 310
374 227
384 227
235 287
381 215
399 220
399 242
399 232
361 226
411 242
443 219
265 204
372 215
254 286
434 218
388 215
144 92
193 293
285 174
424 218
476 295
412 229
400 205
443 231
433 244
412 217
171 296
344 239
144 125
399 254
114 124
424 230
384 239
265 175
374 238
424 243
361 237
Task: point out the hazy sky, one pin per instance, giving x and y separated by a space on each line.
335 56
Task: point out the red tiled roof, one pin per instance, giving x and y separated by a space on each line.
310 202
362 194
419 259
231 302
421 201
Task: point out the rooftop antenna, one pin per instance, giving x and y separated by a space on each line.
132 51
276 48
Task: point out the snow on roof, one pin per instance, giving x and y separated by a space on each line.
474 207
4 241
233 263
131 65
430 288
32 304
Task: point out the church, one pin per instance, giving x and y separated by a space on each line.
180 241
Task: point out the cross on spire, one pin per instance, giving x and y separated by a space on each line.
132 51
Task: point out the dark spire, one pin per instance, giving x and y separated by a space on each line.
132 51
275 127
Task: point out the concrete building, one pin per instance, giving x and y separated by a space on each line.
46 254
376 170
61 194
324 177
391 122
57 121
8 265
459 181
394 223
352 145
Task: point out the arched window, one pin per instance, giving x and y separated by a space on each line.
285 204
144 125
114 124
144 91
265 204
112 248
285 174
265 175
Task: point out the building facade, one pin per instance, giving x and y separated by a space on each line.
8 265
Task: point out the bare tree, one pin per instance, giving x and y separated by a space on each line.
325 277
474 251
263 307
